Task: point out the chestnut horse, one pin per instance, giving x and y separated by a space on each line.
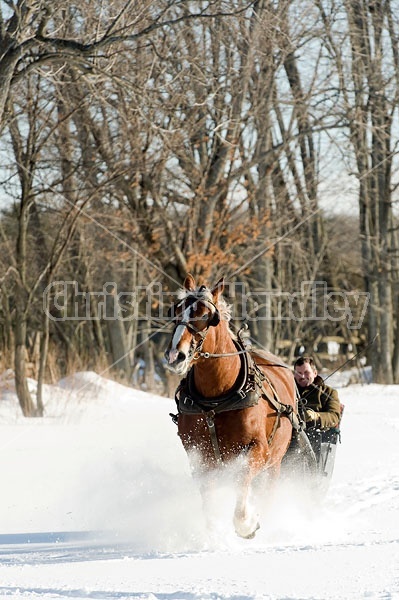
232 402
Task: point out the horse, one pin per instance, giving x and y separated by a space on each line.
231 402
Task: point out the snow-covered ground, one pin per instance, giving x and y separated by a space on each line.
97 502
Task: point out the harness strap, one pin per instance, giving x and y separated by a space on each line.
281 408
210 421
246 392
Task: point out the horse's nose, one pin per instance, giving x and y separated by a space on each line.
175 356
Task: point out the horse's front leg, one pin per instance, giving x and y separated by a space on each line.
246 521
245 516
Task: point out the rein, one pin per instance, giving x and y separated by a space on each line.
200 354
212 355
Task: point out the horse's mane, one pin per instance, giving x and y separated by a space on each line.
203 293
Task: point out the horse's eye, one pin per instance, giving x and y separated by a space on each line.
204 317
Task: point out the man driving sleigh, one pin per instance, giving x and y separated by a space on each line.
322 408
322 412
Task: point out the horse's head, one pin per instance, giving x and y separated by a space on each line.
194 314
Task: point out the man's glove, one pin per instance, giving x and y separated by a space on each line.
311 417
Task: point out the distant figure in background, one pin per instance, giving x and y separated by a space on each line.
322 408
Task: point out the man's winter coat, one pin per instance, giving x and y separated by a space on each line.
324 400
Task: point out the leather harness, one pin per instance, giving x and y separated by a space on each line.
249 388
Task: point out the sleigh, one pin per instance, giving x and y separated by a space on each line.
312 454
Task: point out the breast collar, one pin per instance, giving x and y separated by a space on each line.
245 393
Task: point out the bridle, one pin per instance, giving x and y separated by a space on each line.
212 321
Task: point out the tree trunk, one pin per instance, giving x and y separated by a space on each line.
21 385
264 314
43 360
117 335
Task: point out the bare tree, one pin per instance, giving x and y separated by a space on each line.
369 88
174 136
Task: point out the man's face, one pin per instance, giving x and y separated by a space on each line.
305 375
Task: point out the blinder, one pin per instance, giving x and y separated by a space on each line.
215 320
189 301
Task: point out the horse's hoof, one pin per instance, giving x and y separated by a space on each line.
249 536
252 535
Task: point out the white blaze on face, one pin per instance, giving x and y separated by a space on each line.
174 350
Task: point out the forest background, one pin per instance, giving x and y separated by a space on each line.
141 140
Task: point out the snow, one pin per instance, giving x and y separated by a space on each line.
97 502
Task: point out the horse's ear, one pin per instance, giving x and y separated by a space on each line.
189 283
217 290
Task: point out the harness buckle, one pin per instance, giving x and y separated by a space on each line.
209 418
174 417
